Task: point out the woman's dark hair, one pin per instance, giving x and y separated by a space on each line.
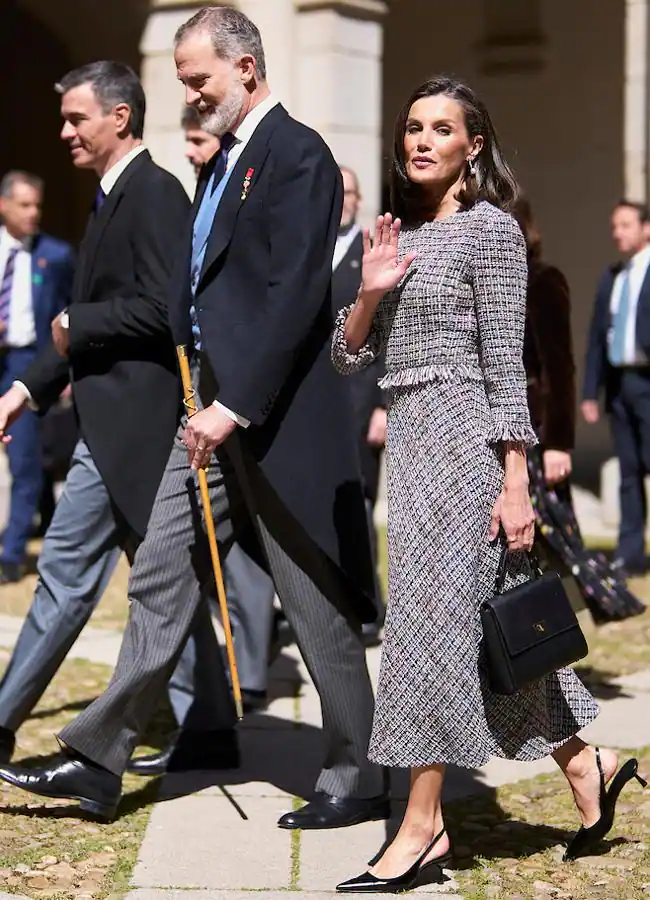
492 179
523 213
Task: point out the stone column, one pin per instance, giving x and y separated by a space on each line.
338 84
165 94
636 144
276 20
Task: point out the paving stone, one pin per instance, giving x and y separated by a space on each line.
328 857
162 894
4 895
625 718
638 681
203 842
98 645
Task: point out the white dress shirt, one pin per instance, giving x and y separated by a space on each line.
637 268
343 244
242 136
109 179
21 327
107 183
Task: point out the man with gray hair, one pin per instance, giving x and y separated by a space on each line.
36 272
251 301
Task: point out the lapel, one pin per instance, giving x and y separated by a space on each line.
643 305
253 157
38 262
97 224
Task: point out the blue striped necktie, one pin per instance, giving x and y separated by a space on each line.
5 291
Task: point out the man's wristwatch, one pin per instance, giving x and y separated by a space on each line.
64 319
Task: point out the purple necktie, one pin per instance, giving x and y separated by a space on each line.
100 196
6 287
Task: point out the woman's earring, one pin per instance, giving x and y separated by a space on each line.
471 166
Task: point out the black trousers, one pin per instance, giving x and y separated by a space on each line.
630 423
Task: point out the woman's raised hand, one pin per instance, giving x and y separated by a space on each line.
381 270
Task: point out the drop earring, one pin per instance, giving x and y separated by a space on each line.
471 165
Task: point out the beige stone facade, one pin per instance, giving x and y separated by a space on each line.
566 84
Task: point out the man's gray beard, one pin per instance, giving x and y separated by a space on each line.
222 119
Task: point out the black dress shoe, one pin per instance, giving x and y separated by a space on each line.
7 745
191 751
254 701
10 573
97 790
325 811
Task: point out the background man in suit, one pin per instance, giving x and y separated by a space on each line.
275 429
114 345
36 273
368 402
618 364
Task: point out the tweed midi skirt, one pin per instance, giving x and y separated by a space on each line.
433 703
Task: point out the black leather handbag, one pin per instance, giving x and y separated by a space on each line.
530 630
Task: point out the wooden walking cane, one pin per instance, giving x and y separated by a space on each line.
189 399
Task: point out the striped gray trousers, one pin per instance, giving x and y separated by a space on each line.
170 581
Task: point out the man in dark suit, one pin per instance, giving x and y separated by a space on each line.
36 273
368 402
114 345
249 589
618 365
252 301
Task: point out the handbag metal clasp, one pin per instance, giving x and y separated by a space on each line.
540 626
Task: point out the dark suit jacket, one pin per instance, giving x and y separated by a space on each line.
52 274
122 361
264 309
365 393
598 371
548 357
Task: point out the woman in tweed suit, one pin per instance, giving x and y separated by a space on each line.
444 298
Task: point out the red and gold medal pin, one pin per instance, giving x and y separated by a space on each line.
247 183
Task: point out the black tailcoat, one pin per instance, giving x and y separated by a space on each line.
264 309
122 360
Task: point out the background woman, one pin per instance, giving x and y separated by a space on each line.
550 372
446 298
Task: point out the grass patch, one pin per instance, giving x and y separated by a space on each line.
509 843
47 848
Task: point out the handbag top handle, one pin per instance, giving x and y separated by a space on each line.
532 565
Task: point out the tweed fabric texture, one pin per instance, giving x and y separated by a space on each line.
452 333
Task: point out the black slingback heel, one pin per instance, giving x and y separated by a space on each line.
585 838
445 861
371 884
